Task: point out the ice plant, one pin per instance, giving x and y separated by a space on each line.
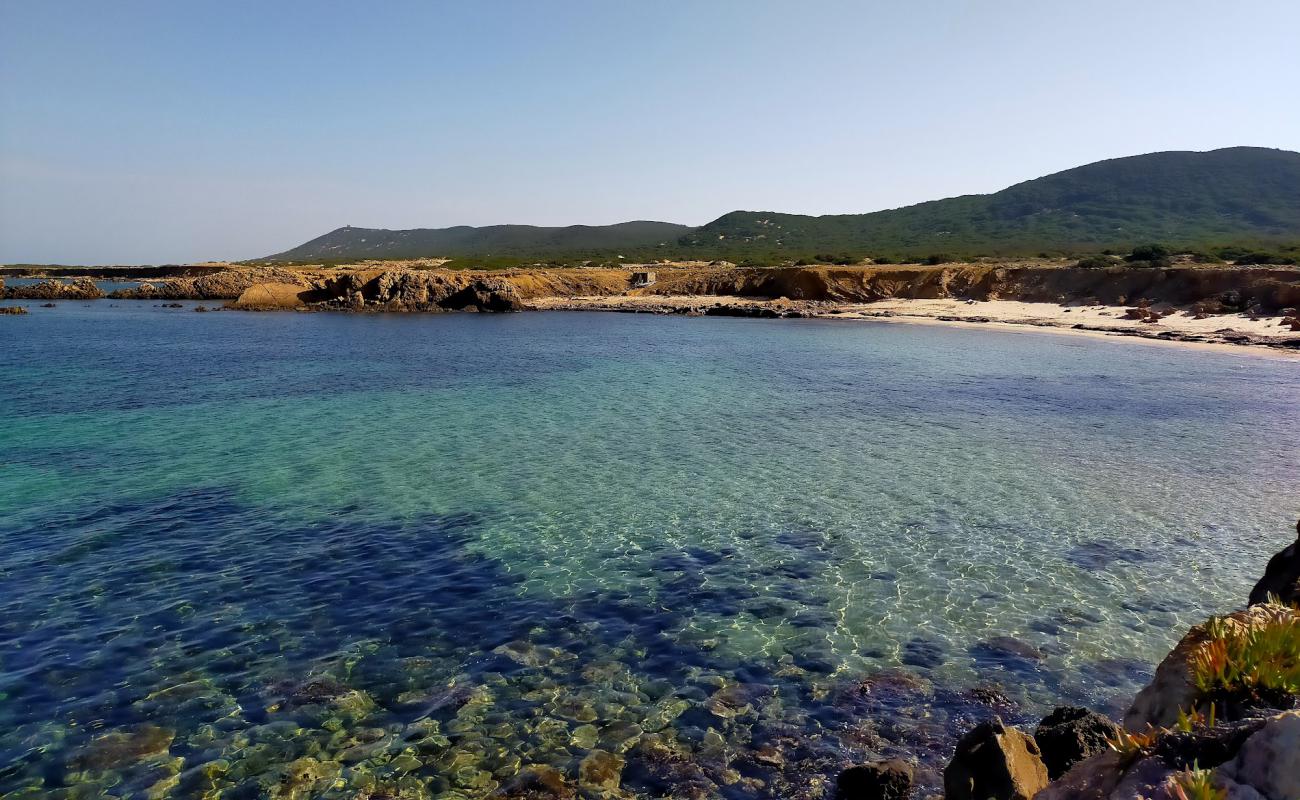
1252 662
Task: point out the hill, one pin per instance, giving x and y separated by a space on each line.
493 241
1240 196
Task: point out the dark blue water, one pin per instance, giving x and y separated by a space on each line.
309 555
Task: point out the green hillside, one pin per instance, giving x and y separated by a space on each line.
1240 196
494 242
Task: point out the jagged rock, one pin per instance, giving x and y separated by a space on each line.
12 310
1281 577
77 289
1252 759
994 762
1172 690
1069 735
880 780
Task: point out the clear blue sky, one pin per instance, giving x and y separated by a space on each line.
151 132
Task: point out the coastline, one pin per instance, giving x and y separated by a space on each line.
1235 333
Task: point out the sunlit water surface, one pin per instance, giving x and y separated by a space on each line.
296 555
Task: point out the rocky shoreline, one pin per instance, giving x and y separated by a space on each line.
1220 720
1192 304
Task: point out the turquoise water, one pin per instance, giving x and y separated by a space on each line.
309 555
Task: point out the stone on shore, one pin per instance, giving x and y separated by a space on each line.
994 762
1070 735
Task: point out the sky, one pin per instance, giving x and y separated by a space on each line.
156 131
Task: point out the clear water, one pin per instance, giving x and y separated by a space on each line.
295 555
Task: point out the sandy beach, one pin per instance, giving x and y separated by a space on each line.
1181 326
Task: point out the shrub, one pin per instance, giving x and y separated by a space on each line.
1149 255
938 258
1095 262
1262 259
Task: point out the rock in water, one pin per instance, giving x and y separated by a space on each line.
1069 735
880 780
1281 577
600 770
994 762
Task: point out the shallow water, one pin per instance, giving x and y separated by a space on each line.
310 555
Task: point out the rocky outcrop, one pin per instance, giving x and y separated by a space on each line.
1281 578
12 311
226 284
270 296
1069 735
880 780
1173 691
76 289
995 762
1253 759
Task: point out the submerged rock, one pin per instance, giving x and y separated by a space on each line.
880 780
994 762
600 770
1069 735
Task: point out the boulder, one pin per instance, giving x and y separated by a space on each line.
1281 577
12 310
1269 761
1069 735
879 780
269 296
994 762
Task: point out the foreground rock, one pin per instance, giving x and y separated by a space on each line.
1070 735
995 761
1282 577
77 289
1253 759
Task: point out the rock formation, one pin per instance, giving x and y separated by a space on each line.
1069 735
1282 577
995 761
76 289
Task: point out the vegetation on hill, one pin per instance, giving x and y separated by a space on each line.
502 242
1201 200
1239 203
